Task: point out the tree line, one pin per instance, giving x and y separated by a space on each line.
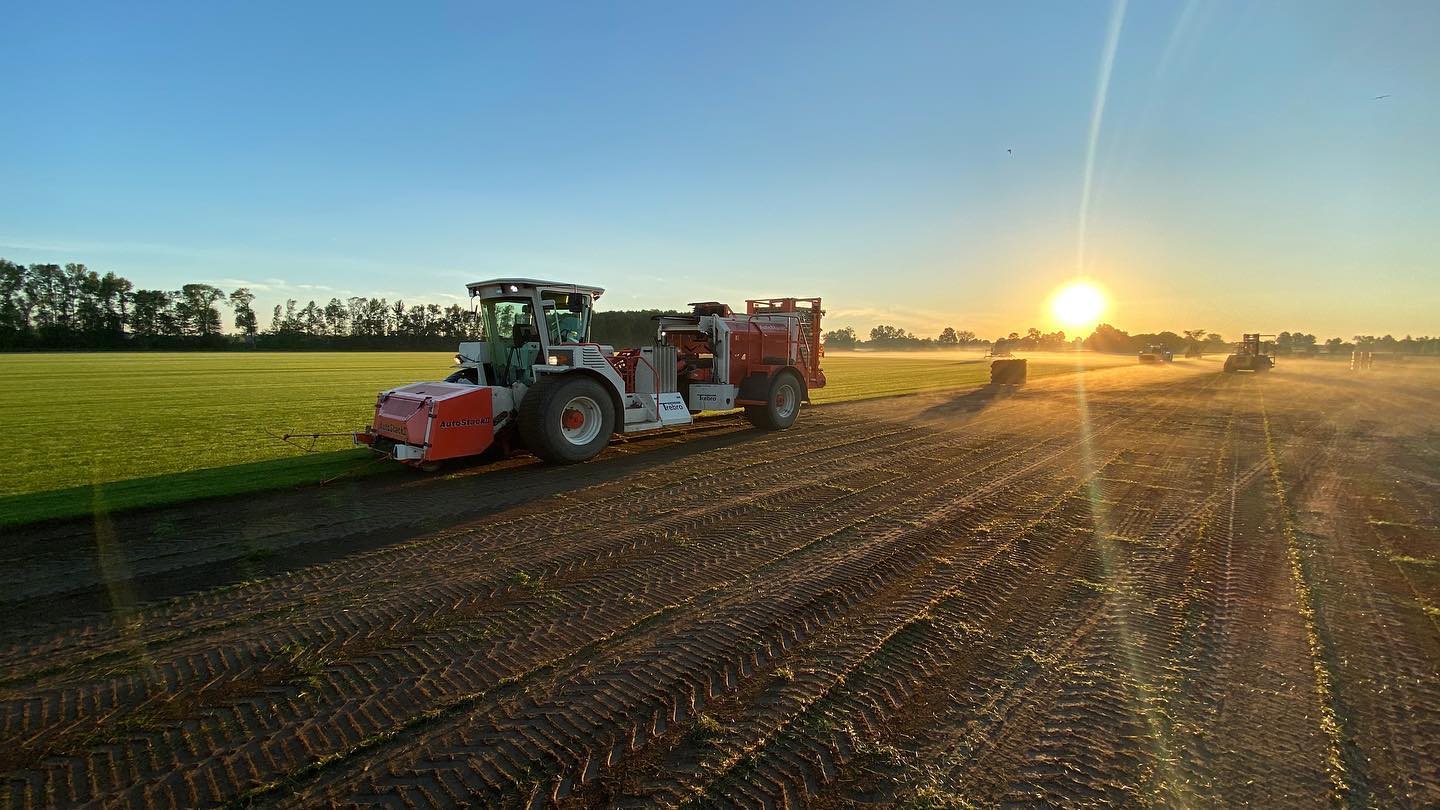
1107 338
895 338
50 306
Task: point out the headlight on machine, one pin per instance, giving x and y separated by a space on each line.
553 360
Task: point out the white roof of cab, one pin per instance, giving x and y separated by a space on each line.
557 286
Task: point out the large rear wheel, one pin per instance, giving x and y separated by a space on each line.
566 418
782 405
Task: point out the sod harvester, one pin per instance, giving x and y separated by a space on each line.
1252 353
536 381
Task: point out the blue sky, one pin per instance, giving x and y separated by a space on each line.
1243 176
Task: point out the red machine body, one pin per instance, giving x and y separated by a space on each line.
805 352
774 334
757 348
430 422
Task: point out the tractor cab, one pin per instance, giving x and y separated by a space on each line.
524 319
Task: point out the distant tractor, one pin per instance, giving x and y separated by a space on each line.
1156 353
1251 354
537 382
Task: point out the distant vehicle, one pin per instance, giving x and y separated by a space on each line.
1156 353
1251 355
1194 351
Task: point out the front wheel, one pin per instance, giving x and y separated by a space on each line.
782 406
566 418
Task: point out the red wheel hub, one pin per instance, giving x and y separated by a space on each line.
572 419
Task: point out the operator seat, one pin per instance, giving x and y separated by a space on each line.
522 334
523 330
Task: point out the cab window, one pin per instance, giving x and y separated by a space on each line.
562 325
507 319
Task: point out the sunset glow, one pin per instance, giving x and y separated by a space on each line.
1078 305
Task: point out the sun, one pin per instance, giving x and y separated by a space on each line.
1078 305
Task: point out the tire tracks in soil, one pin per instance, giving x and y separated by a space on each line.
900 692
883 606
248 721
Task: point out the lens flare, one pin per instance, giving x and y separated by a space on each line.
1078 305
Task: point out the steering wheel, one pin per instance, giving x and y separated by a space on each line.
569 336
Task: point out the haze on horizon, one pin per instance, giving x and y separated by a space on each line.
1218 165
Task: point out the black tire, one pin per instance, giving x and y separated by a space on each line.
782 405
549 412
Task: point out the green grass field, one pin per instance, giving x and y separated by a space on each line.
101 432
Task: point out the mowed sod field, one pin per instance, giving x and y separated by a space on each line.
97 432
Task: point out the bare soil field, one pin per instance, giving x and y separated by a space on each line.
1139 585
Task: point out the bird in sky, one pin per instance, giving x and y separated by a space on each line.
1011 151
1377 98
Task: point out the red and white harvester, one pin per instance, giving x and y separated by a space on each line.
535 380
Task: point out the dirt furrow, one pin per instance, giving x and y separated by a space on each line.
837 469
286 590
861 742
1143 586
399 567
973 574
258 711
489 641
874 577
1385 666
